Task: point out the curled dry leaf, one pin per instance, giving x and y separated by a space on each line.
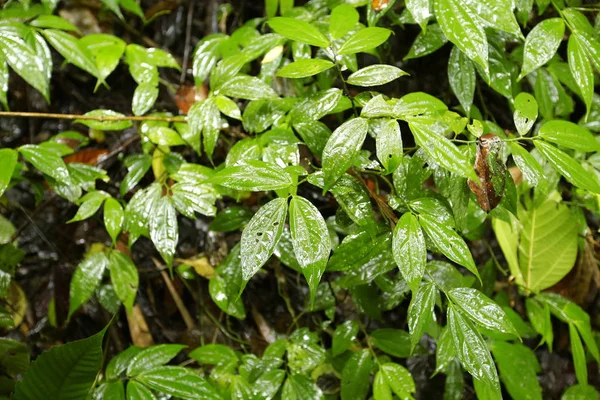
87 156
187 95
491 172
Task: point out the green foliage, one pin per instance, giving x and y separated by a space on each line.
300 172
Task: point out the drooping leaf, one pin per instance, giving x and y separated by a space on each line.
144 97
8 162
355 376
539 316
345 333
579 361
409 249
461 76
582 71
541 44
261 236
89 204
25 61
419 9
46 161
163 228
86 279
124 277
138 391
420 311
113 217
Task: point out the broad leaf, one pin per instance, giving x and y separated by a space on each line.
541 44
102 120
394 342
568 134
539 316
342 147
144 97
163 228
25 61
253 175
304 68
420 311
518 367
124 277
461 76
71 49
342 20
526 112
86 279
375 75
355 376
47 161
113 218
419 9
399 380
180 382
311 241
247 87
364 40
532 171
89 204
409 249
261 236
582 71
137 391
152 357
299 31
388 143
345 333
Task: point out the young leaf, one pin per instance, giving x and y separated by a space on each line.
462 29
481 310
261 236
71 49
449 243
399 380
179 382
113 218
304 68
228 107
389 144
518 367
300 387
124 277
163 229
8 162
461 76
580 67
152 357
526 112
311 241
579 360
345 333
46 161
267 386
472 351
253 175
381 389
63 372
364 40
355 376
86 279
375 75
541 44
568 134
144 97
298 30
420 311
341 148
568 167
409 249
342 19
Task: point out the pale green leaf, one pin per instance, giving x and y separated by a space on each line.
247 87
8 162
388 143
253 175
399 380
46 161
304 68
144 97
298 30
419 9
518 367
526 112
581 69
364 40
152 357
541 44
89 204
180 382
71 49
375 75
342 19
113 218
104 121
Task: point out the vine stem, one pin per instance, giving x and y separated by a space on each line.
101 118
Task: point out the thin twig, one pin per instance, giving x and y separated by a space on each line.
185 314
101 118
188 37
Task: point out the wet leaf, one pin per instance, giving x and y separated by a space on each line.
89 204
526 112
355 376
381 389
253 175
409 249
582 71
462 29
267 386
86 279
570 135
304 68
394 342
375 75
144 97
539 316
541 44
481 310
25 62
230 219
343 145
532 171
445 353
518 367
389 144
580 392
311 241
162 226
8 162
427 42
300 387
124 277
189 198
298 30
419 10
113 217
47 161
225 288
568 167
399 380
137 391
213 354
472 351
247 87
179 382
496 14
104 125
137 166
261 236
420 311
152 357
579 361
71 49
364 40
461 76
342 20
228 107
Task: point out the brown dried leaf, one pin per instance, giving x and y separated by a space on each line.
87 156
491 172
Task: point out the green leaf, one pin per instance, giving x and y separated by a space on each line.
539 316
267 386
4 77
394 342
343 336
298 30
461 76
388 143
439 148
342 20
462 29
253 175
64 372
420 311
261 236
137 166
316 106
179 382
71 49
104 125
137 391
144 97
226 287
106 50
152 357
381 389
568 167
343 145
213 354
118 364
86 279
311 241
230 219
190 197
568 134
89 204
53 21
364 40
228 107
448 242
247 87
304 68
427 42
532 170
113 218
355 376
204 120
582 71
417 103
445 353
8 162
481 310
163 229
399 380
124 277
46 161
579 360
419 9
496 14
300 387
518 367
526 112
226 69
114 390
580 392
409 250
541 44
271 7
26 62
375 75
471 350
